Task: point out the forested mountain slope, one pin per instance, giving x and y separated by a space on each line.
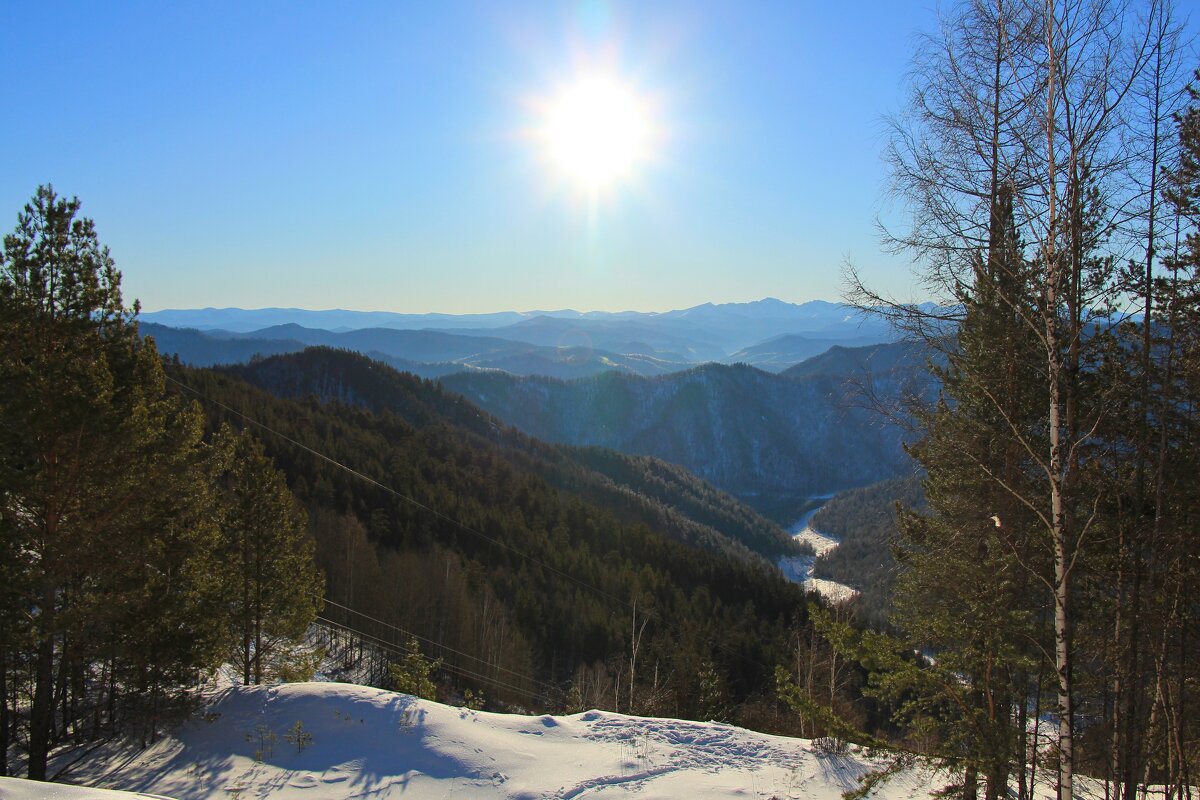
512 552
864 519
643 489
771 440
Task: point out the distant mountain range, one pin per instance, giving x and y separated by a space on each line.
755 398
770 334
427 353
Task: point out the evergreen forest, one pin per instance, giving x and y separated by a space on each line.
1026 611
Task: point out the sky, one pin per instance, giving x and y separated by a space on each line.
390 156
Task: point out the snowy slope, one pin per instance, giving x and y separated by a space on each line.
18 789
368 743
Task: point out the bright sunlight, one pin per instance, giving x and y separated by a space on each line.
596 132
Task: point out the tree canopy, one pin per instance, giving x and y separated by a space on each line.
110 514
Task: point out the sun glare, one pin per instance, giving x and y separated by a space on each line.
596 133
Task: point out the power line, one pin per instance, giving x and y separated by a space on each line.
401 650
431 642
462 526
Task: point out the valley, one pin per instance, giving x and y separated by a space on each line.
800 569
799 381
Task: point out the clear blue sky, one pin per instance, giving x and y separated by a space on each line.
371 156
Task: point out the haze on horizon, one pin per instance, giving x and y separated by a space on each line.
465 157
498 310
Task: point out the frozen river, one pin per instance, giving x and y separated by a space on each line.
799 569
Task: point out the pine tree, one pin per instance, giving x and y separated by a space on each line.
104 520
274 588
414 672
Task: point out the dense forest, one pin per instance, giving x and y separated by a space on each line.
555 562
866 523
646 488
1050 164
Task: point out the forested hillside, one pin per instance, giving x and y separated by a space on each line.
865 520
769 440
642 488
513 552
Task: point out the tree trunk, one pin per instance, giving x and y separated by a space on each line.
4 720
997 781
971 783
1022 738
1037 730
41 713
1055 374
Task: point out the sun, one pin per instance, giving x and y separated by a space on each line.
597 132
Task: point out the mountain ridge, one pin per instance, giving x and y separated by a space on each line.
772 441
770 333
726 327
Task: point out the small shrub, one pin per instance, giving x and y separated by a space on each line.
473 700
828 746
413 674
299 737
266 739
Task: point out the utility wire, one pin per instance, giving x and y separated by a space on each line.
401 650
462 526
432 643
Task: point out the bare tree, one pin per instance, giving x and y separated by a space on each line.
1036 97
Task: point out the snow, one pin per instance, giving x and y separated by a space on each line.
369 743
377 745
799 569
17 789
821 543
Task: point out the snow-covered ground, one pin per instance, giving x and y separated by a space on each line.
799 569
360 742
369 743
17 789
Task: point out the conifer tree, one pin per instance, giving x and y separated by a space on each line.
105 522
413 674
274 588
964 592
